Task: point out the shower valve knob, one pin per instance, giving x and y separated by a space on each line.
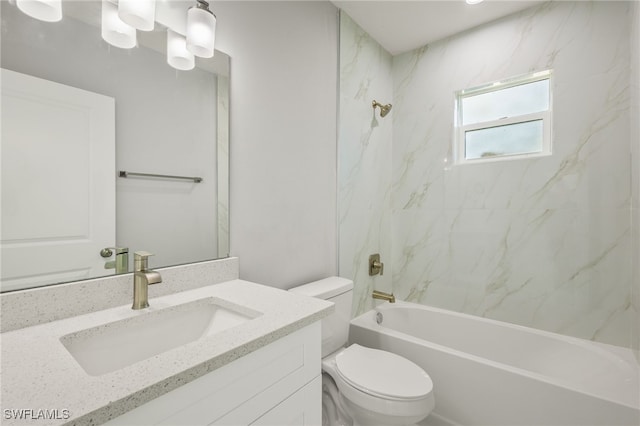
375 266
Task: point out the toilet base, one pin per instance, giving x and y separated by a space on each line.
362 417
333 413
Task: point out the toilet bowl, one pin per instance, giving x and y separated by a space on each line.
378 387
364 386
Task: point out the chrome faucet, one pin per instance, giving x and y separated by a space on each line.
142 279
384 296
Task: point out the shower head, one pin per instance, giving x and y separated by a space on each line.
384 109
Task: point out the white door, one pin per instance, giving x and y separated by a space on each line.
58 181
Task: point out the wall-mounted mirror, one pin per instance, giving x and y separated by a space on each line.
76 113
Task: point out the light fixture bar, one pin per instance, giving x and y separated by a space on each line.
121 19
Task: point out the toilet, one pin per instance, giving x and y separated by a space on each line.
360 385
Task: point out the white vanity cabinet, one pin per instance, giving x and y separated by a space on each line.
278 384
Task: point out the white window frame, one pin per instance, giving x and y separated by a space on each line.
545 116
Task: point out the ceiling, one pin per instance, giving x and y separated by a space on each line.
400 26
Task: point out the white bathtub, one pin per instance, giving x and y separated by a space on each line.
487 372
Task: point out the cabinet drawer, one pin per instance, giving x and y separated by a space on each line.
266 377
303 408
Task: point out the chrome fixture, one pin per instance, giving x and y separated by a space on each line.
142 279
121 264
384 296
384 109
375 266
126 174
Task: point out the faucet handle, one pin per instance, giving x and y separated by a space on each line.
375 266
140 259
379 265
142 254
108 251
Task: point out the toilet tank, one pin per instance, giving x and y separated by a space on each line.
335 327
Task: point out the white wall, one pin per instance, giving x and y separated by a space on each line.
283 138
283 142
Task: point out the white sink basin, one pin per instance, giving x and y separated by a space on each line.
118 344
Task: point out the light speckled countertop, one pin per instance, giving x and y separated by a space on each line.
38 373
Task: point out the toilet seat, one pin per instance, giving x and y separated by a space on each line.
367 378
382 374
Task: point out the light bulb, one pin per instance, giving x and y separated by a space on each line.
177 54
201 31
44 10
140 14
114 31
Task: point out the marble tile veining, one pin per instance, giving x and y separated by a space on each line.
635 181
540 242
364 169
544 242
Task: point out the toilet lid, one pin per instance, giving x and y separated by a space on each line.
383 373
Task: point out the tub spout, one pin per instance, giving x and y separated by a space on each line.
384 296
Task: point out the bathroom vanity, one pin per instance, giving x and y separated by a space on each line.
234 352
278 384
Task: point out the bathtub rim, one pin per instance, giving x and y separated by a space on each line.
368 320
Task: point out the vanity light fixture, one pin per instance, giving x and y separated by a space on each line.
201 30
121 19
140 14
44 10
473 1
177 54
114 31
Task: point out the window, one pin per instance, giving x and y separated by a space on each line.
504 120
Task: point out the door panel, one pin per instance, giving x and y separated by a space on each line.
58 181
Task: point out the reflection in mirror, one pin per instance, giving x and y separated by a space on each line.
75 112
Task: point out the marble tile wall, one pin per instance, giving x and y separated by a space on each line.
364 161
541 242
635 181
223 166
